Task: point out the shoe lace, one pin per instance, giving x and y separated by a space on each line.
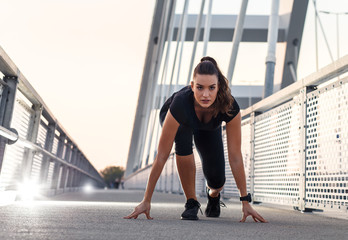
222 204
200 210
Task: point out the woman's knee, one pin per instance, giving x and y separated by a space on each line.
216 182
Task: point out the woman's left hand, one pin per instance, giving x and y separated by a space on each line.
249 211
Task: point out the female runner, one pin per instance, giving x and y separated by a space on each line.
198 110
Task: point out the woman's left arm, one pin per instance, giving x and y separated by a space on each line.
234 136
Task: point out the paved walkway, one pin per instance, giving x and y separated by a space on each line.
98 215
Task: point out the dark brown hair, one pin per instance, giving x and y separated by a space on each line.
224 99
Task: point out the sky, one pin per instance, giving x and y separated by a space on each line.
85 59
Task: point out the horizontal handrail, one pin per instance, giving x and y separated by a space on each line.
4 132
2 82
14 137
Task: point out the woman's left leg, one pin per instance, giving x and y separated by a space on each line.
210 148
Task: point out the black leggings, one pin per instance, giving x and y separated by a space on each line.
210 148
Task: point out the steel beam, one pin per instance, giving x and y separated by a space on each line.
145 88
296 10
223 28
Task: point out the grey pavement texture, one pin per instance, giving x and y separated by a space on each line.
99 215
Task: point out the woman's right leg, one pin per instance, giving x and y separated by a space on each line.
187 173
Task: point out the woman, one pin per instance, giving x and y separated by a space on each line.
198 110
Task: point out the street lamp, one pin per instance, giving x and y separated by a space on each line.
337 28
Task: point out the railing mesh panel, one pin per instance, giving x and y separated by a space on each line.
36 167
277 159
50 173
327 147
55 146
41 137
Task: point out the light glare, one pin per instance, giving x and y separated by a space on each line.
28 191
88 188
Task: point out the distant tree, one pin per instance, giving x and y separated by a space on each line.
111 173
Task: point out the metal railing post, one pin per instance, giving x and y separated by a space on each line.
303 145
55 179
48 146
71 171
66 170
302 151
10 89
29 154
252 154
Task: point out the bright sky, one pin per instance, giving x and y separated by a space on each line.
85 58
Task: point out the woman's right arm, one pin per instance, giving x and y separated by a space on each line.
170 127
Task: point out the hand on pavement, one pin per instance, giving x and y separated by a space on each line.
249 211
143 207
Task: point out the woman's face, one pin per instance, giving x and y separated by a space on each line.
205 89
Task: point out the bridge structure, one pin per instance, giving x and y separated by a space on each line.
294 142
37 155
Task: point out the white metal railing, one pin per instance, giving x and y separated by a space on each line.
295 146
34 147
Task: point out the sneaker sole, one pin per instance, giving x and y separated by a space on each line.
213 216
193 218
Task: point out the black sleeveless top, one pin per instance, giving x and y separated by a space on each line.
181 105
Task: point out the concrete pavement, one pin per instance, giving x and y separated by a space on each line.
99 215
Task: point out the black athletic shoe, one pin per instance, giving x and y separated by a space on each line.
213 206
191 210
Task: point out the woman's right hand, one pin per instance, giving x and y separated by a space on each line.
143 207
